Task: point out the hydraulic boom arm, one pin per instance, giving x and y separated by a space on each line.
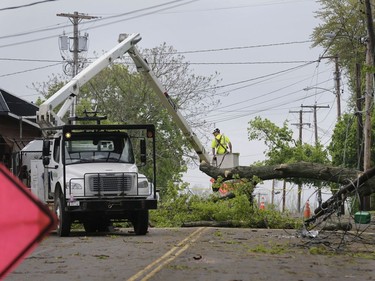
143 67
47 118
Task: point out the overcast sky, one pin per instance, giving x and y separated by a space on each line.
260 48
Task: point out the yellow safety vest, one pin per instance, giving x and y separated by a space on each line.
220 143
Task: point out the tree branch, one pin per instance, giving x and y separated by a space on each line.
305 170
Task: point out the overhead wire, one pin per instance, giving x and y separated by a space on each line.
31 69
243 47
96 20
264 3
245 62
259 77
259 96
195 51
255 111
138 16
26 5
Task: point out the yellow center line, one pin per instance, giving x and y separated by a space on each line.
169 256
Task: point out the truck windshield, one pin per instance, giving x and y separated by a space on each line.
81 149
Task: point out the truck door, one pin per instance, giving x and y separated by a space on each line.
54 168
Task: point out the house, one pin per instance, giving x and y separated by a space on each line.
17 127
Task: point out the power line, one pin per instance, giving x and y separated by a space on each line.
26 5
54 27
247 62
96 20
260 96
28 41
245 47
28 60
189 63
29 70
244 113
262 76
258 110
222 86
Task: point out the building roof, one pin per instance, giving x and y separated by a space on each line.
15 105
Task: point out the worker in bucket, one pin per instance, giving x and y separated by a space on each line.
220 144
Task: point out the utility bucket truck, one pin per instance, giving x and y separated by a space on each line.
93 177
92 173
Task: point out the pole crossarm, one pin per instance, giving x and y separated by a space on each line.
320 88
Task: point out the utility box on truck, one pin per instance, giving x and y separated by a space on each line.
36 179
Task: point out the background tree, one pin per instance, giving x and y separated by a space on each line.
281 146
343 146
346 22
343 33
283 149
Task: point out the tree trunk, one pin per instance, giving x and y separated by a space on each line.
312 171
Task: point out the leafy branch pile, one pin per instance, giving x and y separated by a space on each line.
177 209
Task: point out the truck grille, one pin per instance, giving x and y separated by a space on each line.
116 183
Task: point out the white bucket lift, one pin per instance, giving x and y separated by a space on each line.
226 161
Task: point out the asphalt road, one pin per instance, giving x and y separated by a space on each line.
201 254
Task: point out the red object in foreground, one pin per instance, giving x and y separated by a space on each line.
307 211
24 221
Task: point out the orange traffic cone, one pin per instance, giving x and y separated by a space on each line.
307 211
262 206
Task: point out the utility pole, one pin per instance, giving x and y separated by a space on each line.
316 139
300 125
337 86
365 201
337 83
315 118
358 114
284 196
75 19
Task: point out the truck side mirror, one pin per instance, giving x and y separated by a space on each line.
46 148
143 151
46 152
46 161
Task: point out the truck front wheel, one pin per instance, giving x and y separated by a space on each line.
64 224
140 222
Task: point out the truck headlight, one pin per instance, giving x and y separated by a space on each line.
143 184
74 185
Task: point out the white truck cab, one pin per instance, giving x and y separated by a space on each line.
93 175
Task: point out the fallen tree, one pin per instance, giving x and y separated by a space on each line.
303 170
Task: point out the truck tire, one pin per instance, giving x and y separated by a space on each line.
140 222
64 220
